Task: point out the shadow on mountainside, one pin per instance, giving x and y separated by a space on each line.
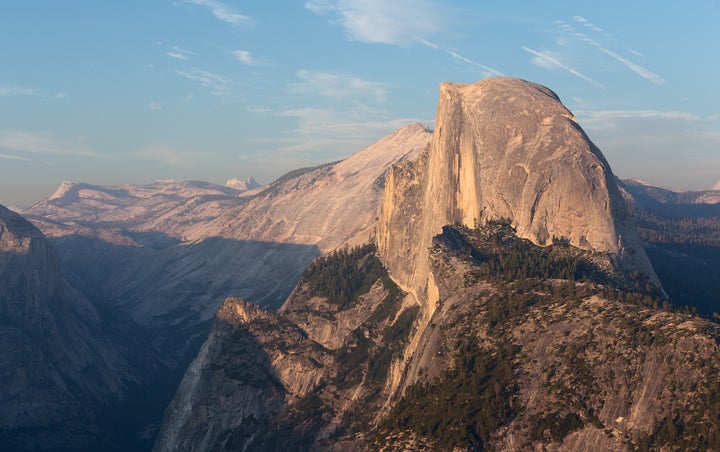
234 380
682 240
164 295
185 283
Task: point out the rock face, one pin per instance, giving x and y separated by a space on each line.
268 381
232 392
173 251
504 148
59 365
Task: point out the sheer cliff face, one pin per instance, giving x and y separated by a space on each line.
504 148
30 268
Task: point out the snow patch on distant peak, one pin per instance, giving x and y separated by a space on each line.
242 184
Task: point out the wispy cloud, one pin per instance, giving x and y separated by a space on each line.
611 118
548 61
179 54
486 70
430 44
331 122
217 84
588 24
324 134
14 157
21 90
154 106
323 141
336 86
17 90
397 22
245 57
636 68
223 12
42 143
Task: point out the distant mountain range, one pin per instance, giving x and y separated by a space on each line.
164 256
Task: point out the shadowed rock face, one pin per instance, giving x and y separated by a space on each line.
505 148
59 364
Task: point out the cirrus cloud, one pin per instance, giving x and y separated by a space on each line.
42 143
397 22
223 12
336 85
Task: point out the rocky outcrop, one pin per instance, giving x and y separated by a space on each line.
265 381
250 366
504 148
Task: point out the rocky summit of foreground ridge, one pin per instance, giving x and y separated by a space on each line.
507 304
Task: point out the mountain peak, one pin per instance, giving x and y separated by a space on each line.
505 148
65 187
242 184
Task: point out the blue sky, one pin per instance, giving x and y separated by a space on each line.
110 92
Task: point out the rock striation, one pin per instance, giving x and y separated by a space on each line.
504 148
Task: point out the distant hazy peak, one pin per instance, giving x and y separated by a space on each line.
242 184
716 186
